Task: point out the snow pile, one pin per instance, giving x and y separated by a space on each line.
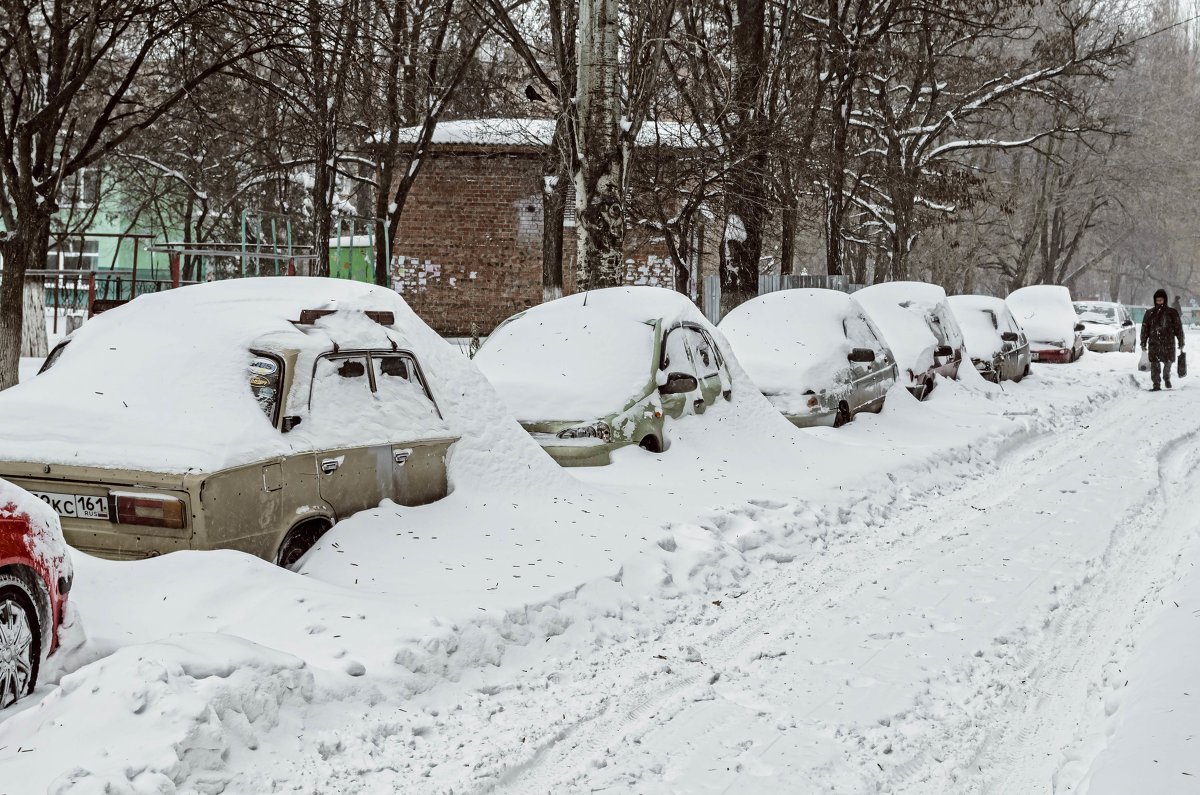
1046 313
190 709
905 311
793 341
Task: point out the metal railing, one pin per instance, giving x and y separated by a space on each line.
771 283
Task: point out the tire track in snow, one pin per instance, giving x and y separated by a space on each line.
845 568
1010 743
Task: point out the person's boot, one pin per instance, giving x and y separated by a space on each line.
1167 383
1156 388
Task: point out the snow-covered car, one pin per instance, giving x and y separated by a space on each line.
813 353
1046 313
249 414
35 579
596 371
1107 326
995 341
920 329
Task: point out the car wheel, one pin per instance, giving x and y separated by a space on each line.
843 415
20 641
298 541
651 444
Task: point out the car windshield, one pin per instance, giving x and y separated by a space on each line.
589 365
1096 313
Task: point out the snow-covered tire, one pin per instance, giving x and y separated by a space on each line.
843 415
298 541
20 640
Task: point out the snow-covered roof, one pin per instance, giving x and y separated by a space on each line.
583 356
975 315
161 383
540 133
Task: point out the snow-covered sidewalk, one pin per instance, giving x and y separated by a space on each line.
922 601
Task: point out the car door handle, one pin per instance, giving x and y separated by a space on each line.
330 465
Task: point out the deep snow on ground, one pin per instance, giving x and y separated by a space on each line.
966 594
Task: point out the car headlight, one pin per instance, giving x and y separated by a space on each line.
597 430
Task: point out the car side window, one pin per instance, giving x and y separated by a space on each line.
860 334
266 374
341 388
704 353
677 352
398 384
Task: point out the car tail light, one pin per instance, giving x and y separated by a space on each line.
813 402
151 510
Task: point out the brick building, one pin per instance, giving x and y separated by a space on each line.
469 250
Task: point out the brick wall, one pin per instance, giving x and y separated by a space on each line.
469 249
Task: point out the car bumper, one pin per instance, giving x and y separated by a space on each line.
579 452
1053 356
1102 346
813 419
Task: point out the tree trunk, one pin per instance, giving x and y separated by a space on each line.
599 188
556 181
788 264
748 175
322 143
25 246
33 331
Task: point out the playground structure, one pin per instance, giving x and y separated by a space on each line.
81 287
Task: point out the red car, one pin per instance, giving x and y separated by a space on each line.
35 578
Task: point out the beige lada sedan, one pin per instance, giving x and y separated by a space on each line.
250 414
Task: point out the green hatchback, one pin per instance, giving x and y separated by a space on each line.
592 372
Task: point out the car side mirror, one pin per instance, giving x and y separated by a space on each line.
1079 327
861 355
1127 322
679 383
289 423
944 350
1009 336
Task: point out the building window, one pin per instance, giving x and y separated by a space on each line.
569 205
73 254
81 189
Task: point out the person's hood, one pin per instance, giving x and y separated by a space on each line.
1160 293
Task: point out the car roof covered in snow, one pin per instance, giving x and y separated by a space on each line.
161 383
982 338
583 356
1045 312
792 340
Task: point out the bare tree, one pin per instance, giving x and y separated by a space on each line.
79 80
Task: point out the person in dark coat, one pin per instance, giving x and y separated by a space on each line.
1160 328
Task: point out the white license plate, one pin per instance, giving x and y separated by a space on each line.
75 506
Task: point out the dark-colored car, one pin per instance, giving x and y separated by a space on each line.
35 578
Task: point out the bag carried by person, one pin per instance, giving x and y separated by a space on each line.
1144 362
1181 367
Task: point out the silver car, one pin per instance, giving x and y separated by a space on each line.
813 353
1107 326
